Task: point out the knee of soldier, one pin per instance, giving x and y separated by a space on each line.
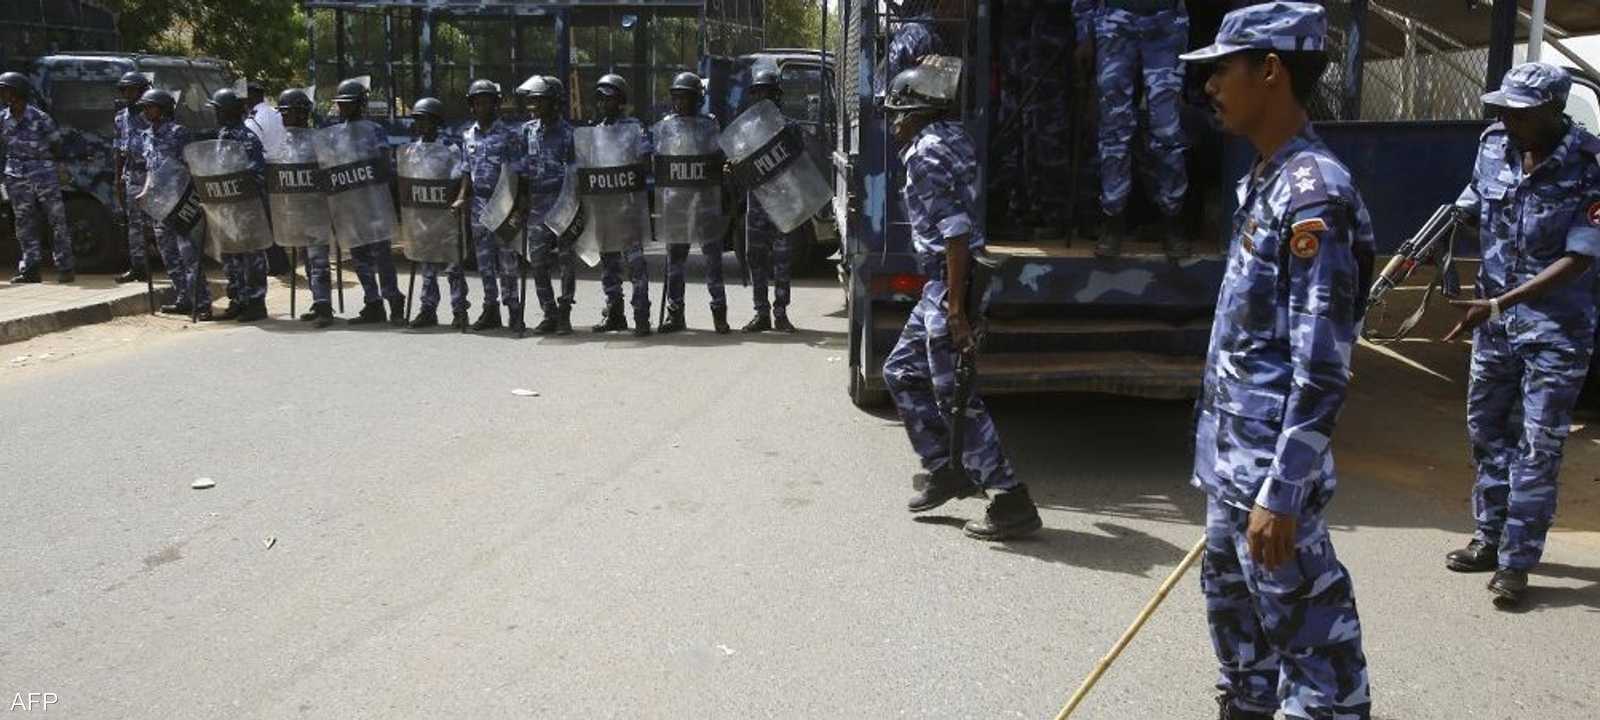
1542 442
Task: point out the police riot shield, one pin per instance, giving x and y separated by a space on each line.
769 159
497 211
353 157
295 197
688 173
565 220
428 185
611 173
231 195
169 197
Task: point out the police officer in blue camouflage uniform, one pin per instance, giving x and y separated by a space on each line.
491 146
686 95
1136 44
247 271
130 170
295 106
766 248
548 137
429 119
163 143
1281 607
32 144
611 93
941 196
915 37
1535 196
374 261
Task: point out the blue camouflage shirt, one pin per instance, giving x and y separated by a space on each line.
1528 221
252 147
131 127
28 139
912 40
550 152
941 189
487 150
1287 318
164 143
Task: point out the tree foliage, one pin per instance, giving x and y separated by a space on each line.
795 24
262 39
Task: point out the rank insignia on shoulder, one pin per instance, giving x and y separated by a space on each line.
1249 245
1594 214
1314 225
1304 245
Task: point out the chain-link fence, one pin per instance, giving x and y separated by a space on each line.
1420 74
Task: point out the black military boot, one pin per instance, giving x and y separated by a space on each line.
674 322
780 322
516 322
547 324
1226 711
488 319
324 313
131 276
371 313
459 320
942 486
253 311
1112 233
762 322
27 277
233 311
564 319
1477 556
719 320
426 318
1011 514
641 323
65 277
177 308
1174 240
310 314
397 311
611 319
1508 586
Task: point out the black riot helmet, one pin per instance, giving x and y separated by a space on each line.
226 101
482 87
350 91
160 99
430 108
16 81
294 99
612 84
920 88
766 78
686 82
544 87
133 80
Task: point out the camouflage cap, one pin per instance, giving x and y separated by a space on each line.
1287 26
1531 85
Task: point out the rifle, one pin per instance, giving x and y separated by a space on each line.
1433 243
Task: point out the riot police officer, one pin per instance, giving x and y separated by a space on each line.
701 213
374 261
1535 195
295 106
163 143
1281 607
491 147
246 271
32 145
429 117
767 248
548 138
130 170
611 93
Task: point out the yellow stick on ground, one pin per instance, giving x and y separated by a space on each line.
1138 623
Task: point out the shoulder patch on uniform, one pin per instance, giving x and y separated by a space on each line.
1307 186
1304 245
1312 225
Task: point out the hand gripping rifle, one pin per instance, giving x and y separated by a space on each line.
1434 243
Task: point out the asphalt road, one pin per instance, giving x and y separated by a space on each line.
684 527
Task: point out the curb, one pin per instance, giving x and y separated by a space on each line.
26 328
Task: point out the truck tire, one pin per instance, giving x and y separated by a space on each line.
98 243
861 395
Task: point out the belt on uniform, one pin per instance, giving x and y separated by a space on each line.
1142 7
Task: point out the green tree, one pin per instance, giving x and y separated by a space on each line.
261 39
795 24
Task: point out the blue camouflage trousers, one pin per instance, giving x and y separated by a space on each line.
678 257
767 255
375 270
543 247
138 222
611 264
1288 638
430 286
247 275
43 188
1134 51
921 374
317 274
1519 410
182 256
497 262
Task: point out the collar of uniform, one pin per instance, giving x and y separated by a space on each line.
1263 172
929 129
1557 159
476 129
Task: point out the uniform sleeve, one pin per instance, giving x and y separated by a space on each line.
1324 275
934 179
1583 237
647 140
121 143
48 130
1083 16
258 155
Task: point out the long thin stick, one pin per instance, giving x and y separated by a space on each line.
1138 624
294 279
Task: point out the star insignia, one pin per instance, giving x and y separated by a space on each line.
1306 185
1302 173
